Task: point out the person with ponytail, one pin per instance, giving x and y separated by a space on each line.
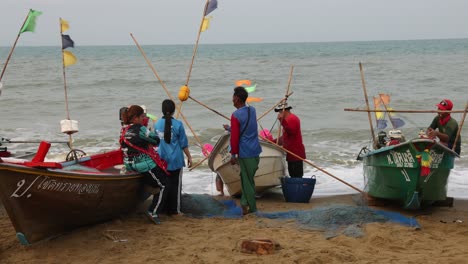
137 144
173 146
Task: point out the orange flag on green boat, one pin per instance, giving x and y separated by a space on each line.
30 24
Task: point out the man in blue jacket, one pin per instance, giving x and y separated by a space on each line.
245 147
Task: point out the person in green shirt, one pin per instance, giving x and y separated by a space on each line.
445 127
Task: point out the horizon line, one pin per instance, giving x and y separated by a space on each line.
249 43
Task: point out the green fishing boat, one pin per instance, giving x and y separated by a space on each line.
414 172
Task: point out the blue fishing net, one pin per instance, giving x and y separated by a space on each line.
346 219
203 205
332 219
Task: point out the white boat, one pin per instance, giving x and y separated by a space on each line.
270 170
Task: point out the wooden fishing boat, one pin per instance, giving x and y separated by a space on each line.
414 172
271 168
46 199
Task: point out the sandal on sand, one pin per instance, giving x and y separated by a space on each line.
245 209
154 219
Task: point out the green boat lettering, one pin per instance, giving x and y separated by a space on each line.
404 159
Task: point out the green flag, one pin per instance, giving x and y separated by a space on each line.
30 24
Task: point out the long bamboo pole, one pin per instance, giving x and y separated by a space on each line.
367 101
13 48
273 107
460 127
209 108
164 87
70 139
285 100
195 48
403 111
318 168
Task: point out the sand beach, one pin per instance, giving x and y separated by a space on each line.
441 238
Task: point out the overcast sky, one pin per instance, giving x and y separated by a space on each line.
109 22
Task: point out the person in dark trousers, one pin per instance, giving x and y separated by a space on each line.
245 147
137 144
173 146
291 140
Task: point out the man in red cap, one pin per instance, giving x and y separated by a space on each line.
445 127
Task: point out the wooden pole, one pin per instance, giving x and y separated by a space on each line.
367 102
285 100
216 112
70 139
13 48
404 111
318 168
195 48
273 107
460 127
199 163
164 87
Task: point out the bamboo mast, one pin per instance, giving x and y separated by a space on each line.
367 102
70 139
195 48
461 126
273 107
404 111
285 100
164 87
13 48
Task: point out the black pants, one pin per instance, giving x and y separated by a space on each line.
174 189
157 178
296 168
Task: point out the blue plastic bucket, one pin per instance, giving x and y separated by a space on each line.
297 190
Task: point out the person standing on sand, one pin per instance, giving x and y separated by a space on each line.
173 146
137 144
291 140
245 147
445 127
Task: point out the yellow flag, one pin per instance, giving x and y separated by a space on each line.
68 58
205 24
64 25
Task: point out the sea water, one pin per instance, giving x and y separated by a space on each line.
325 80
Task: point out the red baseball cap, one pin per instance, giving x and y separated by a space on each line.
445 104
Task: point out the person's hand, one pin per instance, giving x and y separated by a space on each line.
234 160
189 162
431 133
226 127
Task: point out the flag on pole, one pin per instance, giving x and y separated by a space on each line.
30 24
68 58
380 116
64 26
67 42
206 24
212 5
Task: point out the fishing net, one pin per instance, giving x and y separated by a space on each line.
203 205
332 219
335 219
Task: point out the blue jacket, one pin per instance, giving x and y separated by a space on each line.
172 153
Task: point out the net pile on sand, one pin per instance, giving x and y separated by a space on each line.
203 205
334 219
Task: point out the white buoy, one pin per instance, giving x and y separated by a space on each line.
69 126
